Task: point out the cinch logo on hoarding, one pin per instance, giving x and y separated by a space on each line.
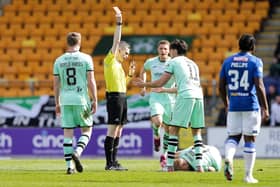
131 140
45 140
5 140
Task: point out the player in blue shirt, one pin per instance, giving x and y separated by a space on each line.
243 93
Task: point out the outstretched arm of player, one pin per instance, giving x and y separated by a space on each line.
262 97
92 89
154 84
118 31
164 90
143 76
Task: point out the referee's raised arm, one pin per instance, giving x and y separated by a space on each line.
118 30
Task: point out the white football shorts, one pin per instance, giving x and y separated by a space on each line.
246 123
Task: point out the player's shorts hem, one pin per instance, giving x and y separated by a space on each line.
116 123
155 115
198 127
77 127
185 127
68 127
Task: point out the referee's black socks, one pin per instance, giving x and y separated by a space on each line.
115 149
108 147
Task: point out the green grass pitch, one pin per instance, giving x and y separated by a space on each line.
145 172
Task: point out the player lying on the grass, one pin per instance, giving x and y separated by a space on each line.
185 159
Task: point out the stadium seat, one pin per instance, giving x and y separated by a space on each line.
22 76
133 18
17 20
194 17
127 5
106 18
209 18
218 5
54 7
239 18
254 25
164 17
10 8
202 6
143 4
93 6
261 12
200 57
38 14
13 45
34 58
43 91
24 14
24 92
39 8
150 18
208 43
218 30
73 27
249 30
186 7
4 58
3 91
157 5
216 57
170 30
233 5
217 12
262 5
70 7
12 92
226 18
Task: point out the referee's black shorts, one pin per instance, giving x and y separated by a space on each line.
116 108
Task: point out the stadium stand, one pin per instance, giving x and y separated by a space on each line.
32 33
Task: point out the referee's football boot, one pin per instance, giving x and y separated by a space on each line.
118 167
78 164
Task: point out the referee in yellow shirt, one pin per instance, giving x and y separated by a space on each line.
116 84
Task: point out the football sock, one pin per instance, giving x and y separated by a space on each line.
171 150
155 130
165 142
198 149
249 157
68 151
115 149
108 147
82 143
230 148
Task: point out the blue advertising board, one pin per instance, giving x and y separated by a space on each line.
135 142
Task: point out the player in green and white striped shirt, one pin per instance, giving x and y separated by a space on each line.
162 99
211 159
73 84
189 106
